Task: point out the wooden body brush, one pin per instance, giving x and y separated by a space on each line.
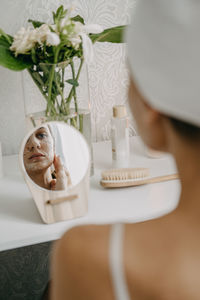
115 178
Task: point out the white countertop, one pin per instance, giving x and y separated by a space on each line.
20 222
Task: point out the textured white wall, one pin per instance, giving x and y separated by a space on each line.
108 76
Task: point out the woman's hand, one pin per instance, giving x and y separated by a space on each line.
62 180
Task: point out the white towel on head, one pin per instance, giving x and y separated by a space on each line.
164 55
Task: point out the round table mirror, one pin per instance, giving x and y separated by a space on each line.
55 161
55 156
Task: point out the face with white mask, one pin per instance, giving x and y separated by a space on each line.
39 151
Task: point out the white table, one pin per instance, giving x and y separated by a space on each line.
21 225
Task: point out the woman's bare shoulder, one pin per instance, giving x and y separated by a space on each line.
81 261
80 264
150 253
85 239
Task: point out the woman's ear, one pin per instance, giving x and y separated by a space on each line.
150 122
156 134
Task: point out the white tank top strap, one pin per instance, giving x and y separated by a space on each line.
116 262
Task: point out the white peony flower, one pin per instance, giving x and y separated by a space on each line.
52 39
23 41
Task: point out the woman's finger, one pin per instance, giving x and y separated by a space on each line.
63 179
53 184
58 165
68 177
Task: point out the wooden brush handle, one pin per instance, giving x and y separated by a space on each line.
162 178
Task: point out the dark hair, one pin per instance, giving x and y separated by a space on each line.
185 129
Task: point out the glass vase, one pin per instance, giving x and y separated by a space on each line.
64 87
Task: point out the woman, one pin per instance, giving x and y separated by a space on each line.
160 258
42 164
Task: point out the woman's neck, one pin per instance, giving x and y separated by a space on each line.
187 157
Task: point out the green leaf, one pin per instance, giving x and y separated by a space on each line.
78 19
8 60
111 35
59 14
73 82
38 78
6 37
33 55
59 11
35 23
4 42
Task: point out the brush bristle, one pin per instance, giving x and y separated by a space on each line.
125 174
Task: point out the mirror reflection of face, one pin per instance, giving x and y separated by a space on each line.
55 156
39 151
